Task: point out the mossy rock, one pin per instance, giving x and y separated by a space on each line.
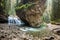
33 15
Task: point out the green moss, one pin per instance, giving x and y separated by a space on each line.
24 6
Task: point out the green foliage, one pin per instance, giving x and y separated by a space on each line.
24 6
2 5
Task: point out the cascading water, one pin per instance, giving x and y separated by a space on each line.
12 18
47 13
14 21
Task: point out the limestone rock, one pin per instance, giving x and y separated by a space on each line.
32 15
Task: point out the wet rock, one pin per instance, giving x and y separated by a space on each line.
49 38
2 37
57 31
25 39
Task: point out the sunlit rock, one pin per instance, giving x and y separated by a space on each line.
33 15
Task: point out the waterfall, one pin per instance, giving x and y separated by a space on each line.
48 11
12 18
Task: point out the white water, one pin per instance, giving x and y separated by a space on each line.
14 21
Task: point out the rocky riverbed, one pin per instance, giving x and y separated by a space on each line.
15 33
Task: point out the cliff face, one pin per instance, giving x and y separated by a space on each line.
3 17
33 14
56 12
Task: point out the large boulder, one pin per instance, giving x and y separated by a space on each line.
3 15
33 15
